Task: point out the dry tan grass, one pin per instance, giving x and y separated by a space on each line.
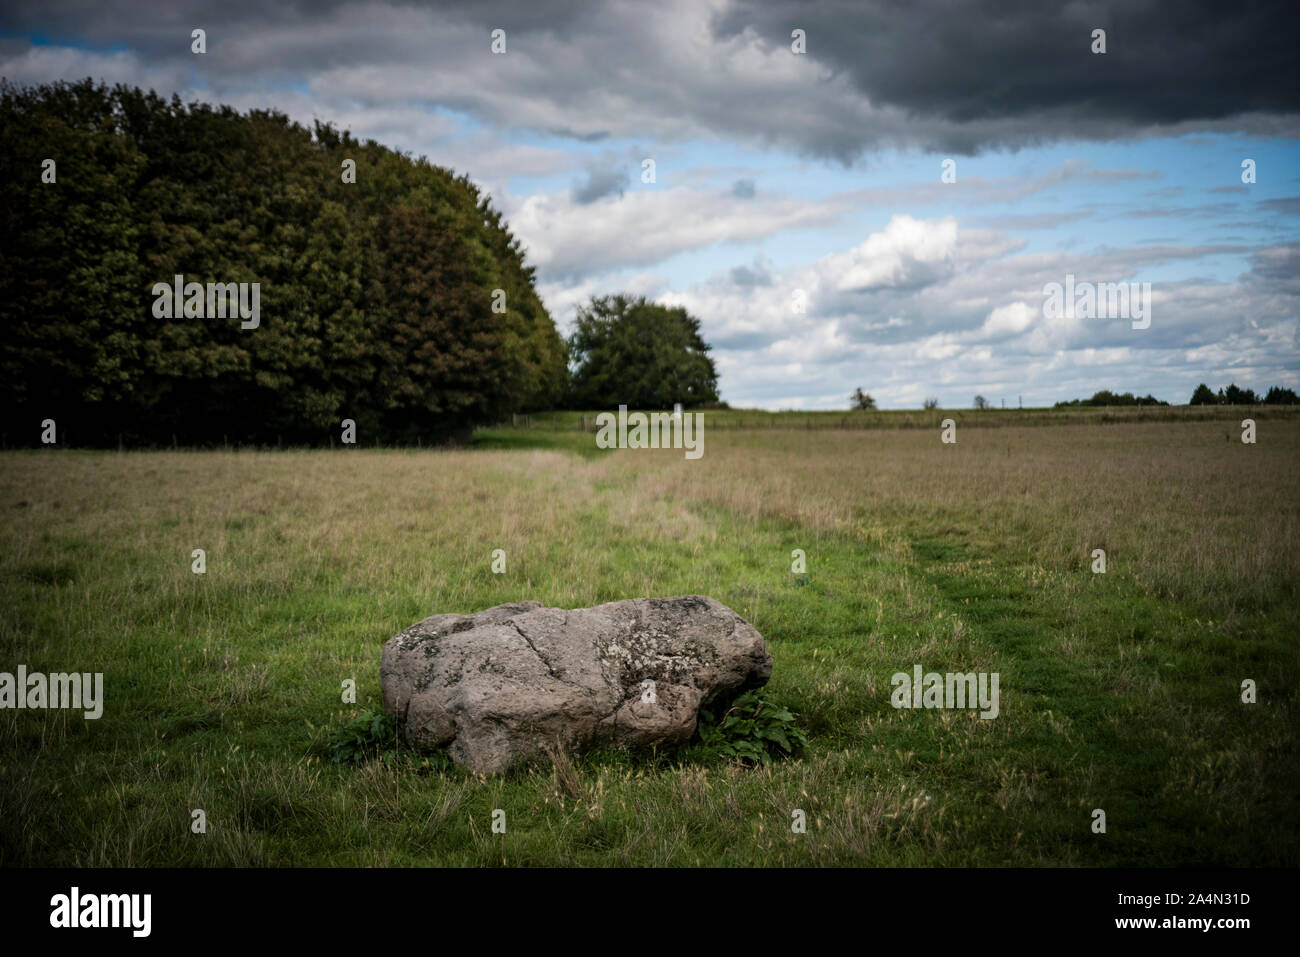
1171 503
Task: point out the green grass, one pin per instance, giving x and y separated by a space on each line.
1118 691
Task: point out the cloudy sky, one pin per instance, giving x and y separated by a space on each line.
798 206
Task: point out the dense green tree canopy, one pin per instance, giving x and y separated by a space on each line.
626 351
376 296
1235 395
1239 396
1106 397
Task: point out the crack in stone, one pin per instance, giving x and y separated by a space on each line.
611 734
540 657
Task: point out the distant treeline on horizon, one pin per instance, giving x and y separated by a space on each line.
1203 395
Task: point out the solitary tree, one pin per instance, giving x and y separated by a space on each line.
862 400
931 404
626 351
981 402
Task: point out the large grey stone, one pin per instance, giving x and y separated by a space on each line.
513 681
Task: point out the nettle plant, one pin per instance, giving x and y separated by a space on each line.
363 737
752 729
375 735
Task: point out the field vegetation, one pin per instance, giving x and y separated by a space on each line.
1119 691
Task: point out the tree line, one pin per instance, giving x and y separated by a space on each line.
391 292
1234 395
1203 395
1106 398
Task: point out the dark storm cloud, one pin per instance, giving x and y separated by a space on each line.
941 76
1165 62
152 25
1276 269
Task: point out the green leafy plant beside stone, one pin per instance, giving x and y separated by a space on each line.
363 737
752 729
372 735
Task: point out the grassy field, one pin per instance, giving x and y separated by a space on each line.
755 419
1119 691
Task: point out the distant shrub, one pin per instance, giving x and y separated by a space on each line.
862 400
